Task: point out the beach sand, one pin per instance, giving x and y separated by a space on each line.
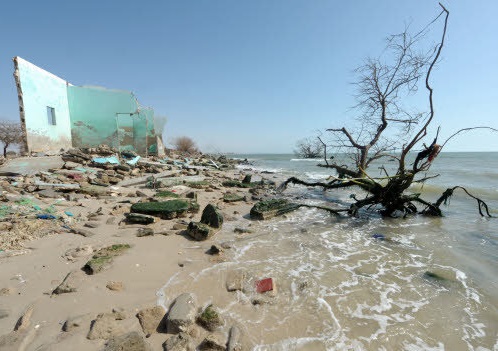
28 279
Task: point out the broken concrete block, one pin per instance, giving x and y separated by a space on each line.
139 218
271 208
103 258
182 313
131 341
150 319
199 231
165 209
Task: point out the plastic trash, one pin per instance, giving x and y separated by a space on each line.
45 216
69 213
133 161
103 160
379 236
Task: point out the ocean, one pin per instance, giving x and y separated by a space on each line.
365 283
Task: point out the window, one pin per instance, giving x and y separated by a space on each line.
51 116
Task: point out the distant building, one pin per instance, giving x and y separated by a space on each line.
58 115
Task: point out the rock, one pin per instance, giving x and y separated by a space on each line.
233 198
242 230
180 342
214 250
92 224
271 208
7 291
145 232
74 196
212 343
180 226
150 319
132 341
106 326
247 179
110 220
71 283
199 231
234 337
181 314
140 193
49 193
236 280
167 193
212 216
73 323
71 165
165 209
103 258
80 251
84 232
25 320
210 319
139 218
115 286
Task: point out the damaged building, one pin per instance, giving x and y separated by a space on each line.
56 114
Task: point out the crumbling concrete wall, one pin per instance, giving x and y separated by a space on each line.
107 116
55 114
43 107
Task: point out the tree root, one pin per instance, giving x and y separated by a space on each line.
432 209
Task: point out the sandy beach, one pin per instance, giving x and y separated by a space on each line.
33 317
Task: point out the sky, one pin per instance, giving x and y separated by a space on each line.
252 76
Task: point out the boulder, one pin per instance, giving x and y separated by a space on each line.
271 208
182 313
150 319
199 231
131 341
210 319
165 209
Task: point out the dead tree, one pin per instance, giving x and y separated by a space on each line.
388 130
309 148
10 133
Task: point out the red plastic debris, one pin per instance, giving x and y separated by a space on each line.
264 285
76 176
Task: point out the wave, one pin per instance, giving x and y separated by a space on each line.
306 159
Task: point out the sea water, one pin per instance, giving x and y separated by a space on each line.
365 283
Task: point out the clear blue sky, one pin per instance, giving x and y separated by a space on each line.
251 76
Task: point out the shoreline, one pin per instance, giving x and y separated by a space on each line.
128 286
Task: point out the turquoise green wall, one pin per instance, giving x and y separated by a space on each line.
105 116
39 90
85 116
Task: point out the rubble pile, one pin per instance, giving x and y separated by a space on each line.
28 195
